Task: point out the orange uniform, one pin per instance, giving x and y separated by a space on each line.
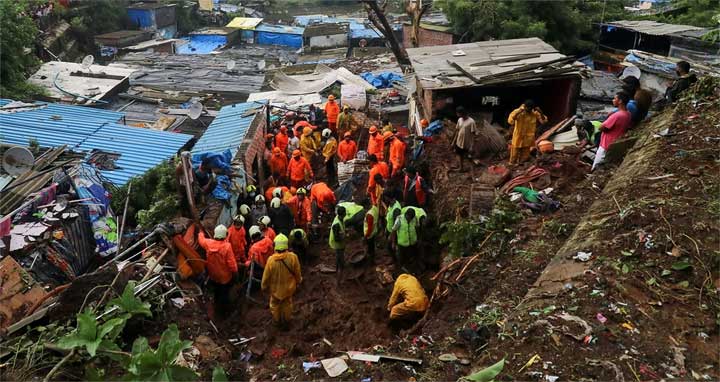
298 169
301 210
278 163
321 194
346 150
281 141
261 251
376 145
269 233
221 263
397 155
379 168
236 238
332 109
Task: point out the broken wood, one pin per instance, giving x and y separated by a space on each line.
463 71
506 59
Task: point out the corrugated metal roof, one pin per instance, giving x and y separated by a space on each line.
85 129
651 27
244 22
228 130
286 29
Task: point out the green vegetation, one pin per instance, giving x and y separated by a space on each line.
153 199
94 18
701 13
17 61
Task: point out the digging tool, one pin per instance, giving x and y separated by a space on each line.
249 283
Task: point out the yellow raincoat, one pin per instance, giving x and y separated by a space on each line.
524 125
330 148
281 277
307 144
414 300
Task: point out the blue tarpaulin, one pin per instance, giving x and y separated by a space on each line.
382 80
220 160
202 44
269 34
144 18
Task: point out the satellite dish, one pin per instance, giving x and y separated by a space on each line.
230 65
17 160
87 61
195 110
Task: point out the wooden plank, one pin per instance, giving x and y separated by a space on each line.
463 71
416 361
506 59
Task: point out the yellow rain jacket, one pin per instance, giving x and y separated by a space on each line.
414 300
330 149
307 146
524 123
282 279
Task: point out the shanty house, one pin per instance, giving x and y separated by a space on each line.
429 35
239 128
681 41
246 25
208 40
493 76
157 17
284 35
326 36
121 39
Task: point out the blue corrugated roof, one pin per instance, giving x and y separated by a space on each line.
286 29
371 33
85 129
306 20
228 129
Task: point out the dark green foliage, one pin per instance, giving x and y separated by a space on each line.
154 197
17 58
94 18
187 17
700 13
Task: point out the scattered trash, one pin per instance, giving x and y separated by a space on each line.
583 256
364 357
240 341
328 343
448 357
178 302
368 379
660 177
334 366
410 369
601 318
487 374
464 361
530 362
307 366
277 353
551 378
587 329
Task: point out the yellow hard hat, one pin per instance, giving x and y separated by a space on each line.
281 242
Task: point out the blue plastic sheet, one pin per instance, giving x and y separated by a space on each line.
382 80
202 44
219 160
141 17
270 38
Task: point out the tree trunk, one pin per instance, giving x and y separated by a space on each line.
377 17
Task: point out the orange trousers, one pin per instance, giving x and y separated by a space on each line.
519 154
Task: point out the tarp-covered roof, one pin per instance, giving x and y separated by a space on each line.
228 130
87 129
244 22
651 27
273 28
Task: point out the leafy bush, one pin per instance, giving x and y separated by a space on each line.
153 199
16 38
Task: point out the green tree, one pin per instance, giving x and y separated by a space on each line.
700 13
17 37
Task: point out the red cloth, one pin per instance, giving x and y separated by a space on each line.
614 127
346 150
236 238
297 168
221 263
261 251
323 196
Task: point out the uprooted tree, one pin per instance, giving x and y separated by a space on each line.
376 15
416 9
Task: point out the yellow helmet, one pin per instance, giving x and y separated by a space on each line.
281 242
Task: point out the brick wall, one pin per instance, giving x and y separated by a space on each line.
427 37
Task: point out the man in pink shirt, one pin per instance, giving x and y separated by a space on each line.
614 127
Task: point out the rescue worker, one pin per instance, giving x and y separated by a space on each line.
293 142
278 162
354 215
345 121
415 188
523 123
377 190
463 139
299 243
408 300
322 200
281 217
260 251
329 150
300 208
376 167
283 193
371 226
245 212
265 227
250 194
308 148
387 126
375 143
332 109
280 278
237 237
299 171
420 215
221 267
259 209
347 148
347 214
405 231
282 140
397 154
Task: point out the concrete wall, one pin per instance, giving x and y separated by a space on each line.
426 37
330 41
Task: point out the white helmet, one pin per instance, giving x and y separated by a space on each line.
254 230
277 192
259 199
239 218
220 232
275 203
244 209
265 220
326 133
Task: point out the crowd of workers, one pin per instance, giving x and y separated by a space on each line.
270 236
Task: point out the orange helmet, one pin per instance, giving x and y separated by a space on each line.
387 135
373 129
546 146
277 150
296 153
424 122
